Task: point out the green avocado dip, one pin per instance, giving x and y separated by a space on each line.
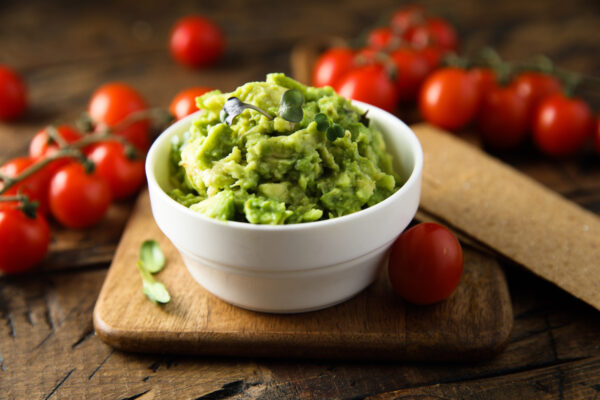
265 169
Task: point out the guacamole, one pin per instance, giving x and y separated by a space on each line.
264 169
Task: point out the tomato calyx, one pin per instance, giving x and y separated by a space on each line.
28 207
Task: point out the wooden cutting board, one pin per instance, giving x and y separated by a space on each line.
474 323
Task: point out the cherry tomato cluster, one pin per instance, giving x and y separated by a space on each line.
394 63
505 113
71 175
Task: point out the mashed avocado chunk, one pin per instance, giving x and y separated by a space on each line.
264 169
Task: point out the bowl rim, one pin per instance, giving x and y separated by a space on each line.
415 176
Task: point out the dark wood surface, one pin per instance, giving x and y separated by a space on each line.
66 49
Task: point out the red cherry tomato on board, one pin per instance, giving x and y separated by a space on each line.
380 38
503 118
35 187
78 199
331 65
425 264
13 94
196 42
407 17
123 175
561 125
411 70
184 103
112 103
24 240
370 84
449 98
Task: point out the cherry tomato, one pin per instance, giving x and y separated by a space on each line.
35 187
123 175
411 69
184 102
331 65
434 31
370 84
503 118
485 79
597 133
23 240
380 38
449 98
433 56
407 17
425 264
78 199
13 94
112 103
561 125
535 86
43 145
364 56
196 42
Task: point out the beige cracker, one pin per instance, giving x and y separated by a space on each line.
513 214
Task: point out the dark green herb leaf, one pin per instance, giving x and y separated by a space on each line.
151 256
234 107
290 107
335 131
322 122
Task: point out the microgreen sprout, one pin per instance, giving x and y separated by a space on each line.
151 261
331 129
290 108
234 107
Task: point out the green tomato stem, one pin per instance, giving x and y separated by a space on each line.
55 135
19 198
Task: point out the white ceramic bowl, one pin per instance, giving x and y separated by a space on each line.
289 268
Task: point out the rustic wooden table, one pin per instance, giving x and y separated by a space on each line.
66 49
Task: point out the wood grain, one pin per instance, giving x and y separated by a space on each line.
375 324
65 49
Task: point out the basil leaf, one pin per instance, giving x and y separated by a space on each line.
290 107
151 256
